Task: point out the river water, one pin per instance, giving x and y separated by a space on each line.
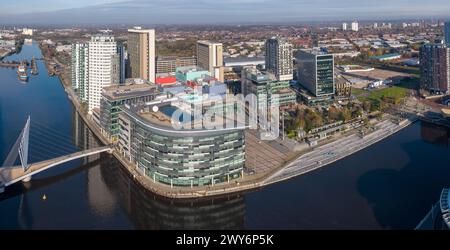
390 185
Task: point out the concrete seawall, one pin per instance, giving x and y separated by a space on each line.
363 145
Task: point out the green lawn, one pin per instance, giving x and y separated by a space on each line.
395 92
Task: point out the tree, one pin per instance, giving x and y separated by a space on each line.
367 106
345 115
333 114
301 123
357 112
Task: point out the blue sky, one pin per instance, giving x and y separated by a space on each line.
216 11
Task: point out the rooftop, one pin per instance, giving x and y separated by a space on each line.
315 51
243 59
259 77
166 80
392 55
140 30
205 42
117 92
162 116
187 69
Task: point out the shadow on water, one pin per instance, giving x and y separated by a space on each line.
36 184
24 215
394 195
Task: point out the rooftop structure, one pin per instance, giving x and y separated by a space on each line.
267 88
113 99
190 73
128 91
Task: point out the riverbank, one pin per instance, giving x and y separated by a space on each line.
16 50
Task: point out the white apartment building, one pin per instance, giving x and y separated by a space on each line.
355 26
102 53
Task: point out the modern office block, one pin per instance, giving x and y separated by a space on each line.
315 72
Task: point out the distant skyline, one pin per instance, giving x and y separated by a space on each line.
65 12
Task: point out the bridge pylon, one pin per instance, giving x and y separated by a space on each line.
20 148
23 147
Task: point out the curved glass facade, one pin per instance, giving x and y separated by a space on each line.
189 159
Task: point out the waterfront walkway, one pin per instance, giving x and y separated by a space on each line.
335 151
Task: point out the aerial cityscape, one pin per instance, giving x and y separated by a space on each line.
137 115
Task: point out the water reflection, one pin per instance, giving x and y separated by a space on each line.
435 134
400 196
149 211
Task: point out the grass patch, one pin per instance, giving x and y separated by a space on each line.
379 98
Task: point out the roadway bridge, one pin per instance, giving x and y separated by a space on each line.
10 174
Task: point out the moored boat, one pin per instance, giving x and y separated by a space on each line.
22 72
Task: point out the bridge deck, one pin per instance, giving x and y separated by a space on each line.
11 175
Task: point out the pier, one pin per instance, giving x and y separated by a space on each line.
34 68
12 64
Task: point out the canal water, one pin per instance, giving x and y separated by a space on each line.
391 185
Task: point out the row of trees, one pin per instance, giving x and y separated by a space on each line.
308 119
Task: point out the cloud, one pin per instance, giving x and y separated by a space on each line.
235 11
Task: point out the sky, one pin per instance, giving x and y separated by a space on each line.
214 11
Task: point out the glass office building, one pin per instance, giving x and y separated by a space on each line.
447 33
113 99
267 88
177 157
316 72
